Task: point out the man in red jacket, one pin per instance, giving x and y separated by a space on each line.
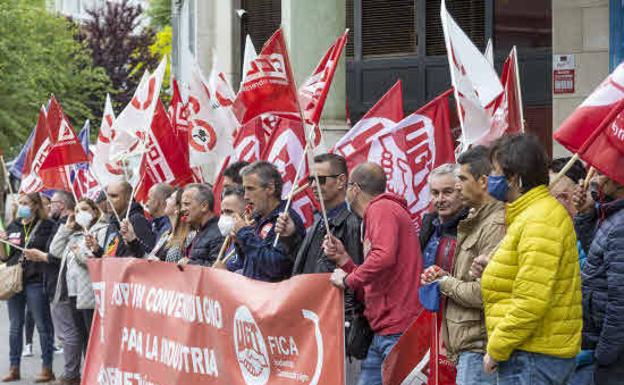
388 278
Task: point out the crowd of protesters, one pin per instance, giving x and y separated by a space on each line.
528 275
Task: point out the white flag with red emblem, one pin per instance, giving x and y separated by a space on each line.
387 112
313 92
476 84
103 167
285 149
136 118
209 132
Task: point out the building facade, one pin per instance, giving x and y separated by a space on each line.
402 39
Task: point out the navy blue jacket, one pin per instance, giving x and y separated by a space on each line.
603 286
262 261
206 245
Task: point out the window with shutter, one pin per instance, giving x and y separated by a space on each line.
526 24
262 19
389 28
469 14
349 49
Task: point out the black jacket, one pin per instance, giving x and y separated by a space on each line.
603 287
145 238
345 226
205 247
38 239
311 259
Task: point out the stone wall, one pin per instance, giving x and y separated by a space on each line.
580 27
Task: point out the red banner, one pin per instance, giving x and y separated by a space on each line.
207 326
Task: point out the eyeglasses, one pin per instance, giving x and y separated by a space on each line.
321 178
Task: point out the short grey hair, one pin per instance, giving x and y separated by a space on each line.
267 173
444 169
67 198
163 190
204 194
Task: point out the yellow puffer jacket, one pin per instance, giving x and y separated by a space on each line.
532 286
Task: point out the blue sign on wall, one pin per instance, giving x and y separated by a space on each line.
616 33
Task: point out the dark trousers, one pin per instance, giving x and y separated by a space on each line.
610 375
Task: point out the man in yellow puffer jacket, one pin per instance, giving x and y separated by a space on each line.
531 287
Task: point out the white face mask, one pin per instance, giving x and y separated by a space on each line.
84 218
226 224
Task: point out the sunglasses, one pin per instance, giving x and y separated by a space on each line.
321 178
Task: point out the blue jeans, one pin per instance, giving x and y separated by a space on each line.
34 295
524 368
470 370
378 351
583 375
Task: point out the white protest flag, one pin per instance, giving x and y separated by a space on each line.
249 56
489 52
134 121
210 131
106 170
475 82
222 97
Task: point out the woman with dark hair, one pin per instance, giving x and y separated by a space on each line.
172 244
30 230
532 286
74 300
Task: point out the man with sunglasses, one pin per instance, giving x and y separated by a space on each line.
332 176
343 224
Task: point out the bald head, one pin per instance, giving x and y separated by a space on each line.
119 194
370 177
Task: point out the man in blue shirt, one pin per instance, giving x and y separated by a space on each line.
262 183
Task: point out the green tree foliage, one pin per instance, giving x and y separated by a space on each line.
39 56
159 12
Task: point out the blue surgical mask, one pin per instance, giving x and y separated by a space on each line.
24 212
498 187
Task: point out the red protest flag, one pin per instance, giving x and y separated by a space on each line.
249 144
507 109
604 150
164 160
66 148
269 85
585 120
34 177
314 90
409 150
385 113
285 149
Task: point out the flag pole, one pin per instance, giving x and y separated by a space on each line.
519 87
565 169
292 190
107 197
7 176
449 50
